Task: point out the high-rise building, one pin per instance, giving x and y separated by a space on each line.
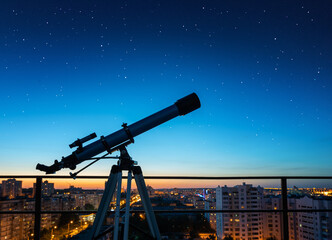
240 225
219 221
272 221
16 226
11 188
213 216
310 225
264 225
46 188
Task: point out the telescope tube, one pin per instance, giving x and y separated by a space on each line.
181 107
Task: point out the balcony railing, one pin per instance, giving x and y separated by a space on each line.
37 212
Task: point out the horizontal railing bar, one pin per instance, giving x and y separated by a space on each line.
17 212
233 211
173 211
173 177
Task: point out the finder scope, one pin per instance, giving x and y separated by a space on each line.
80 141
127 133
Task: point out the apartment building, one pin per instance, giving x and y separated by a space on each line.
46 188
272 227
11 188
240 225
310 225
16 226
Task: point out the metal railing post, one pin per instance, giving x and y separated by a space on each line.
285 229
38 208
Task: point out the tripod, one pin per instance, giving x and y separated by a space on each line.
115 178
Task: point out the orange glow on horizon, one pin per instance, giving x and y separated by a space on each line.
155 183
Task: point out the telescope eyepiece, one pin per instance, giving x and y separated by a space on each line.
56 166
188 104
42 167
46 169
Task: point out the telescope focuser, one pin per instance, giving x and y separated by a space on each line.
66 162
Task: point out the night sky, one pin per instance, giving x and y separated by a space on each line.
262 70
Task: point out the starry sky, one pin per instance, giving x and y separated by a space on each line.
262 70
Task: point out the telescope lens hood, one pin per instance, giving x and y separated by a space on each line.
188 104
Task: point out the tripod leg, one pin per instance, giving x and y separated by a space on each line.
126 226
146 202
105 201
117 208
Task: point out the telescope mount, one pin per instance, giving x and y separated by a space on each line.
125 163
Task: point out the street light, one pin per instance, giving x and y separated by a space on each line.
52 235
71 222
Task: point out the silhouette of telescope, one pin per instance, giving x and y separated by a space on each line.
125 135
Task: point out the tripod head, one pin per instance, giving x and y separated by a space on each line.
181 107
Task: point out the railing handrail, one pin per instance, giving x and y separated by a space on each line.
172 177
172 211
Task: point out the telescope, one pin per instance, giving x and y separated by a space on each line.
123 136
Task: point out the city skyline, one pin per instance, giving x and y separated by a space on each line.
12 187
261 70
174 183
244 196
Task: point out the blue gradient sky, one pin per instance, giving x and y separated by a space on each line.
262 70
